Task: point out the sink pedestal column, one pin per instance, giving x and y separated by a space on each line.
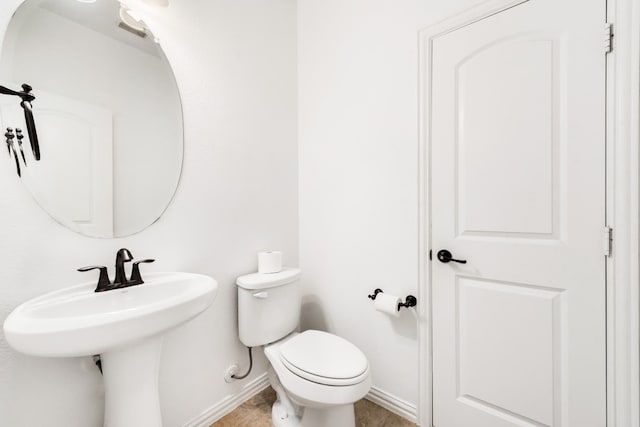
131 384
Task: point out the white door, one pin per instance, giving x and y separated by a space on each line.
517 139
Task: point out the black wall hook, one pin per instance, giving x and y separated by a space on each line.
20 137
26 98
10 135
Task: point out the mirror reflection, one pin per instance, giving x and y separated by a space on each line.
107 112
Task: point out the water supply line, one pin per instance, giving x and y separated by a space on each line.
236 377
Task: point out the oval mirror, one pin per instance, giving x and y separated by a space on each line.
107 115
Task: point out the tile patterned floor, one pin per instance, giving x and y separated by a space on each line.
256 412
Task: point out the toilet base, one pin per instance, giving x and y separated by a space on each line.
281 417
286 413
342 415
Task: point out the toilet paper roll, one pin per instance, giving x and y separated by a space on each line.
270 262
388 304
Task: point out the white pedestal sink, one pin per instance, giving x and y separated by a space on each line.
125 326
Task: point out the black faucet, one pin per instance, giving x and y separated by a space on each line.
123 255
120 281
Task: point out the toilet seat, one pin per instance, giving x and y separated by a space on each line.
324 358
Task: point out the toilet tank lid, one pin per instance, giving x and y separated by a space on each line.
268 280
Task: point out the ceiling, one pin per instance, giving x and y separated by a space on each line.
102 17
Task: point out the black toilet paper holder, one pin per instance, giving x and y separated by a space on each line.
409 301
375 294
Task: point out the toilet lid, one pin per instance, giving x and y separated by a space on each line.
324 358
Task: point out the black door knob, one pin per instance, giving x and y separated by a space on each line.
445 256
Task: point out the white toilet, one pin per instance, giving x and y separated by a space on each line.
318 376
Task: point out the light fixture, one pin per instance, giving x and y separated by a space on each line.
132 19
86 1
133 14
161 3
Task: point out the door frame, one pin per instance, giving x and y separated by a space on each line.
622 206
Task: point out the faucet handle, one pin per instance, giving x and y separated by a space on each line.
104 283
136 278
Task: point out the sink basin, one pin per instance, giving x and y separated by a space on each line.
124 326
77 321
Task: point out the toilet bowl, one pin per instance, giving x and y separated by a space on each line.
318 376
322 375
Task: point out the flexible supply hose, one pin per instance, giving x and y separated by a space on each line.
250 367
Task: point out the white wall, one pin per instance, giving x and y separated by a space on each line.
358 161
235 64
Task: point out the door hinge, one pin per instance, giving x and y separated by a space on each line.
607 241
608 37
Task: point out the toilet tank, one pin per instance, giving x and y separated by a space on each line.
268 306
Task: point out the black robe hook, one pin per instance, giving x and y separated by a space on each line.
27 97
8 137
12 149
20 137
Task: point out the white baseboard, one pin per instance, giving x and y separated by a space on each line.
230 403
227 405
393 404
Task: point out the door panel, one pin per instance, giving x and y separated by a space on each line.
496 357
489 203
517 189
